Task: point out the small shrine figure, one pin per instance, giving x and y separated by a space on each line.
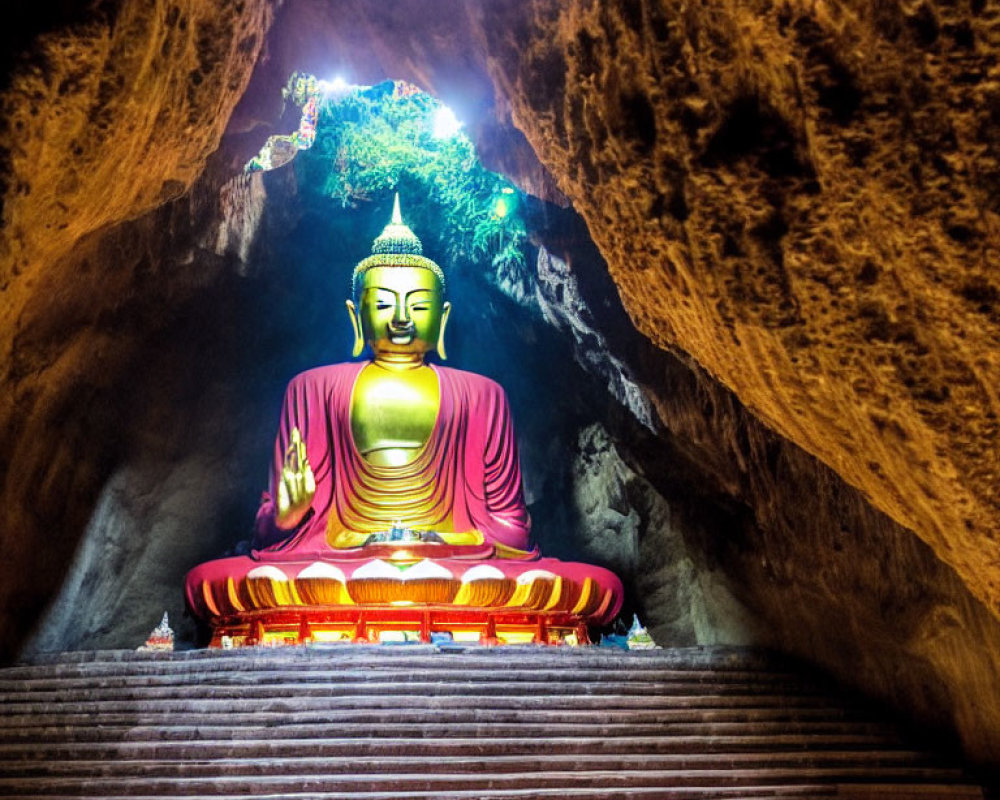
161 638
639 638
395 509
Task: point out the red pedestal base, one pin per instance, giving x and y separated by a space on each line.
391 624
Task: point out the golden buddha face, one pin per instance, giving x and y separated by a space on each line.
401 313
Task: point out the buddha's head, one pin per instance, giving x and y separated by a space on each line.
401 312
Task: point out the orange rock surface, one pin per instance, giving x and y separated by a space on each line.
104 120
804 198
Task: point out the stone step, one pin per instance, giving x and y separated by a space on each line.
442 728
425 780
260 699
719 659
568 687
439 744
447 730
797 791
498 711
851 791
205 764
312 674
426 699
127 728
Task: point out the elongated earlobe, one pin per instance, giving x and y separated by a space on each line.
359 339
445 311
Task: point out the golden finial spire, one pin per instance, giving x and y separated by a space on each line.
396 246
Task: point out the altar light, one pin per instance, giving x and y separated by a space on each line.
445 123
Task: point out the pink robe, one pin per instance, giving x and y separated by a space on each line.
468 468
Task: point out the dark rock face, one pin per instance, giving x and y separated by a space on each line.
796 205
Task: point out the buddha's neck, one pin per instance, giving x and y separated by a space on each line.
399 362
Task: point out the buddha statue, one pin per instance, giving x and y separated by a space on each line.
395 509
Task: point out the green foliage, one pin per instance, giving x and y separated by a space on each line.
377 139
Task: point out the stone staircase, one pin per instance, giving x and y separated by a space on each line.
353 722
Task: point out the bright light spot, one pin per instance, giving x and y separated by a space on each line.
500 209
337 86
446 124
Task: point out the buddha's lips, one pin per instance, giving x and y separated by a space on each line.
402 335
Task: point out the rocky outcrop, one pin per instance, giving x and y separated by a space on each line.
802 198
104 120
117 114
626 524
563 307
744 537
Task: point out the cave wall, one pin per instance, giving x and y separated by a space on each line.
795 202
103 119
783 552
803 198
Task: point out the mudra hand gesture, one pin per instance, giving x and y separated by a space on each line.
297 486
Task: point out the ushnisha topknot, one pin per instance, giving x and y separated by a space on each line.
396 246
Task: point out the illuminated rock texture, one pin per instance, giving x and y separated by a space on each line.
796 201
803 198
104 119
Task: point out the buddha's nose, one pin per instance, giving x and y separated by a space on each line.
401 317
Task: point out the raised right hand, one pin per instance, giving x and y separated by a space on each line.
297 486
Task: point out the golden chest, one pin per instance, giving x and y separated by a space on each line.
393 413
